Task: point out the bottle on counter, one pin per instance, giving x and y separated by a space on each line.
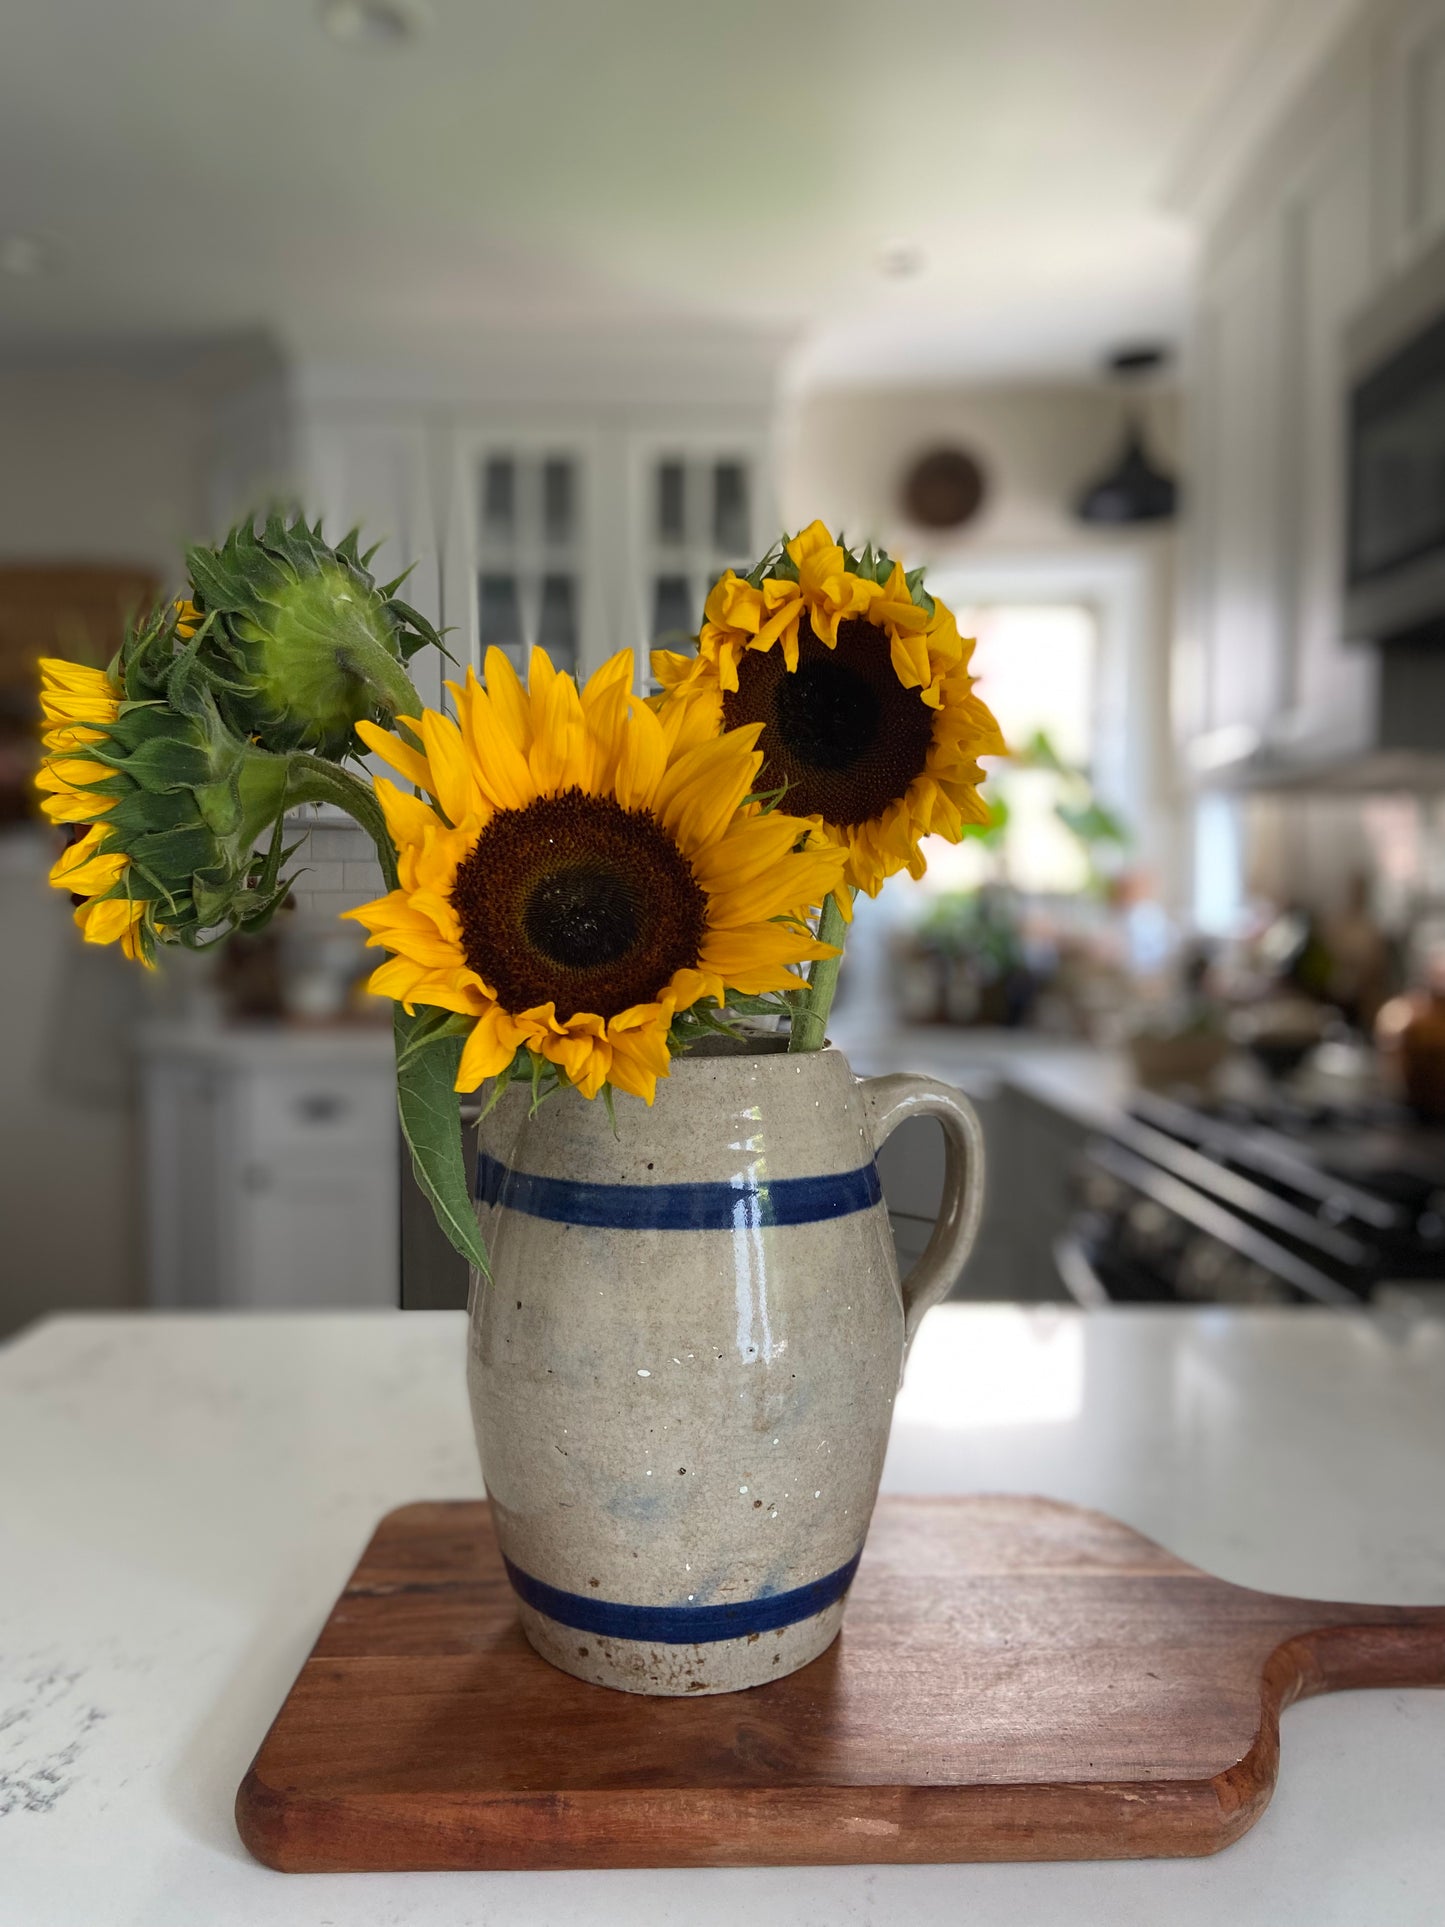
1410 1031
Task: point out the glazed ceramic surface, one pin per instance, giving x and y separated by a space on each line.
682 1371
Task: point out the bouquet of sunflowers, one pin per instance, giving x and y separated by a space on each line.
580 881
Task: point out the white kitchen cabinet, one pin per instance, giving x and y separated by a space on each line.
375 469
1240 610
699 502
1328 685
589 529
271 1167
1346 188
526 548
1410 118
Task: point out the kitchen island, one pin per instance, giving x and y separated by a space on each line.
181 1498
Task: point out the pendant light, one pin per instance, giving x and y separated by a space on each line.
1133 489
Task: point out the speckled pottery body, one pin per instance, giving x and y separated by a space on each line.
682 1372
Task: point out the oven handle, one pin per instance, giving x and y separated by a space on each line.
1174 1195
1080 1280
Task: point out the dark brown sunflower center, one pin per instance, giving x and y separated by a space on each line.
577 902
841 731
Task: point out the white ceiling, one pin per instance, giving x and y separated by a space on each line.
211 165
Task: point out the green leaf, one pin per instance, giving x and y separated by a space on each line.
764 566
431 1026
431 1123
920 595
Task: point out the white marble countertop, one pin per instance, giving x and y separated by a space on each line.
182 1497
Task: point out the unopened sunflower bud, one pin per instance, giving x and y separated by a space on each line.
300 640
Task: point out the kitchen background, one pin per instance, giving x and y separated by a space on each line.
1128 320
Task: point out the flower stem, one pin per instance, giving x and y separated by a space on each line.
811 1006
314 779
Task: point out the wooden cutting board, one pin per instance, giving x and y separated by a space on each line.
1015 1680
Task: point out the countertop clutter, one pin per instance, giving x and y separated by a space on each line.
181 1498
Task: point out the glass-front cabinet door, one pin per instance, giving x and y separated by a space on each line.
590 536
696 511
531 548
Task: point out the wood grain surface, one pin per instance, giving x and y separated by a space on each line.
1015 1680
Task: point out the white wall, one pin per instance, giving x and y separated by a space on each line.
115 456
844 454
843 457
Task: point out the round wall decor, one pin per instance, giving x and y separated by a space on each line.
944 488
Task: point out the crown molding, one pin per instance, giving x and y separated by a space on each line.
1293 42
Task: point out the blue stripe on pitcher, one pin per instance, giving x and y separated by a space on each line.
683 1625
741 1205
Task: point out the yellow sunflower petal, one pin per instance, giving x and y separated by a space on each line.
86 868
582 1052
753 847
788 887
408 763
639 1052
59 674
72 694
688 721
607 702
893 606
132 944
561 756
504 686
490 1047
671 669
722 649
733 603
786 608
72 807
498 763
761 957
908 654
109 919
451 770
406 929
641 761
407 818
702 791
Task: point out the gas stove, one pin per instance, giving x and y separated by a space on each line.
1266 1201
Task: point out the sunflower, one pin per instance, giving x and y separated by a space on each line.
585 870
78 704
861 685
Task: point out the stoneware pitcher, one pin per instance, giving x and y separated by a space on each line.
683 1369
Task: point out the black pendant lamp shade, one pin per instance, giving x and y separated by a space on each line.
1133 490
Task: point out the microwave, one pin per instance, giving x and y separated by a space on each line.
1395 467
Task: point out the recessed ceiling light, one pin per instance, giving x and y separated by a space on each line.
28 256
902 260
378 24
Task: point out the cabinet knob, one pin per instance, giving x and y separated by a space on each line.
322 1107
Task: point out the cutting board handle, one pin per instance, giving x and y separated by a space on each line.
1348 1646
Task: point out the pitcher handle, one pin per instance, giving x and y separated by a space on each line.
890 1101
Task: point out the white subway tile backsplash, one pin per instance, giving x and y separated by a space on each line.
334 845
323 904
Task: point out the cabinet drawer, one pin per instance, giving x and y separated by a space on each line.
317 1111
